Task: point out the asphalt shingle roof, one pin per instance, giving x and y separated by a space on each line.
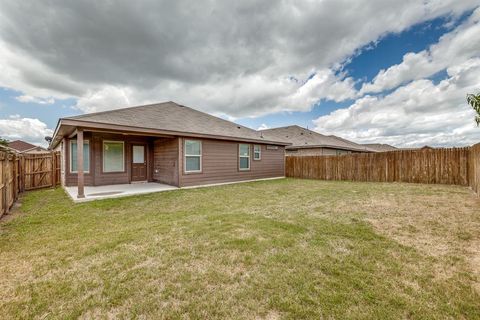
171 116
20 145
380 147
303 138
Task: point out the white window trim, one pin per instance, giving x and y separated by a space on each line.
103 156
191 155
240 156
259 152
70 156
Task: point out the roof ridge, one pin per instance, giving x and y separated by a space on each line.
346 140
218 118
285 127
158 104
299 127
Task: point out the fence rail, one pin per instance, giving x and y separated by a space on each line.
20 173
459 166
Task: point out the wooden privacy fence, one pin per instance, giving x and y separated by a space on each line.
9 181
40 170
20 173
474 168
460 166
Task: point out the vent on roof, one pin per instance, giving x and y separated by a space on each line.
238 127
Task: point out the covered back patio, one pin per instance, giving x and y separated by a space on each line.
98 163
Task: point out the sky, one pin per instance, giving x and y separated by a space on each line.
372 71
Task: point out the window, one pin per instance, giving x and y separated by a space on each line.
138 154
113 156
73 156
257 152
244 156
193 156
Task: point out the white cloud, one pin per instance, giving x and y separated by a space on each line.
246 96
417 114
28 129
263 126
108 97
185 51
28 99
455 47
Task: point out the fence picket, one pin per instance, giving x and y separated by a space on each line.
21 172
459 166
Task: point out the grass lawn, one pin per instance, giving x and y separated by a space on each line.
279 249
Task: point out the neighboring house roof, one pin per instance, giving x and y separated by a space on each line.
304 138
22 146
380 147
166 118
417 148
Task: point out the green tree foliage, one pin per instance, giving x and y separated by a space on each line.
474 101
4 142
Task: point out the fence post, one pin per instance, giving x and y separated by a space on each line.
5 184
54 169
15 178
22 173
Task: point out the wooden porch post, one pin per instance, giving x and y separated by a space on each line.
80 176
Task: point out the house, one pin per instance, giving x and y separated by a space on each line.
25 147
306 142
166 143
380 147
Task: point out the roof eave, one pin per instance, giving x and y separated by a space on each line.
146 131
52 145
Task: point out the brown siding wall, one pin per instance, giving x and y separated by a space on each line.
165 164
220 164
96 176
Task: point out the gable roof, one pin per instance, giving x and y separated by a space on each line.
22 146
380 147
169 118
304 138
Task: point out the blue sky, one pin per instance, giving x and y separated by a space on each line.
389 81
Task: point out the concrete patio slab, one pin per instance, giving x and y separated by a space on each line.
117 190
123 190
